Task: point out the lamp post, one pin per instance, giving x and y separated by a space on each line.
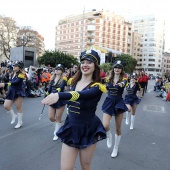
82 43
23 44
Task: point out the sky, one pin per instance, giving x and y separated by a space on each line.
43 15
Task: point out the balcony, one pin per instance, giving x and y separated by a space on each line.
90 42
91 22
90 36
90 18
91 28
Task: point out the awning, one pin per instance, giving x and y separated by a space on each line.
113 51
103 50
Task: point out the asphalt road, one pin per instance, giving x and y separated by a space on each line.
146 147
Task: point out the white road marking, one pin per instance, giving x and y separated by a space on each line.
22 129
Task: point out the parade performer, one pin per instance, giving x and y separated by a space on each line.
16 92
57 84
114 104
82 129
131 100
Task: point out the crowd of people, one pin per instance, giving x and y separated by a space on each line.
162 87
78 89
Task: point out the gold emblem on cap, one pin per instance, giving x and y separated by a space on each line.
88 51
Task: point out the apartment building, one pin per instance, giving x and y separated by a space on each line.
152 30
99 28
136 37
166 63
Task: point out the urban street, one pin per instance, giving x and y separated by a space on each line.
31 147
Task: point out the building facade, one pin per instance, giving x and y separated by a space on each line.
100 28
136 37
166 63
152 30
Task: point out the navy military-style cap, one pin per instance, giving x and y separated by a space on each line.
90 55
19 64
60 67
118 64
132 77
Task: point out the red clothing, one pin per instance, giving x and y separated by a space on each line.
140 79
145 78
102 74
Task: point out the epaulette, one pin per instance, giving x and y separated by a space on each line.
21 75
102 87
69 81
107 80
65 78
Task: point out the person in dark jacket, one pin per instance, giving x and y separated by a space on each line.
114 104
16 93
82 128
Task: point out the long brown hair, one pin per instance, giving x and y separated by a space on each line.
54 76
96 75
112 74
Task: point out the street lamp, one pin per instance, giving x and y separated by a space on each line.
23 44
82 44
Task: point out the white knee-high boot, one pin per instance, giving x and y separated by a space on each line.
13 116
116 146
127 117
57 126
132 121
109 139
20 123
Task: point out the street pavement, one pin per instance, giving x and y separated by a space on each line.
146 147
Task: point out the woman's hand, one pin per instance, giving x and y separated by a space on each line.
120 84
2 84
50 99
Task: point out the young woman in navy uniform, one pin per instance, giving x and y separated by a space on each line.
131 99
57 84
114 104
82 129
16 93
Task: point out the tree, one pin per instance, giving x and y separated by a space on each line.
106 67
57 57
31 38
130 62
8 35
26 37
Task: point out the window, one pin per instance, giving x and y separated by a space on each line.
152 19
150 69
151 59
151 65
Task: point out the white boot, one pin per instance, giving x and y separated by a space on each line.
116 146
13 116
109 139
132 121
57 127
127 118
19 124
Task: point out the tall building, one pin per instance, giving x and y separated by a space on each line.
152 30
166 63
100 28
136 37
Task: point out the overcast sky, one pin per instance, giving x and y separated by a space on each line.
43 15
